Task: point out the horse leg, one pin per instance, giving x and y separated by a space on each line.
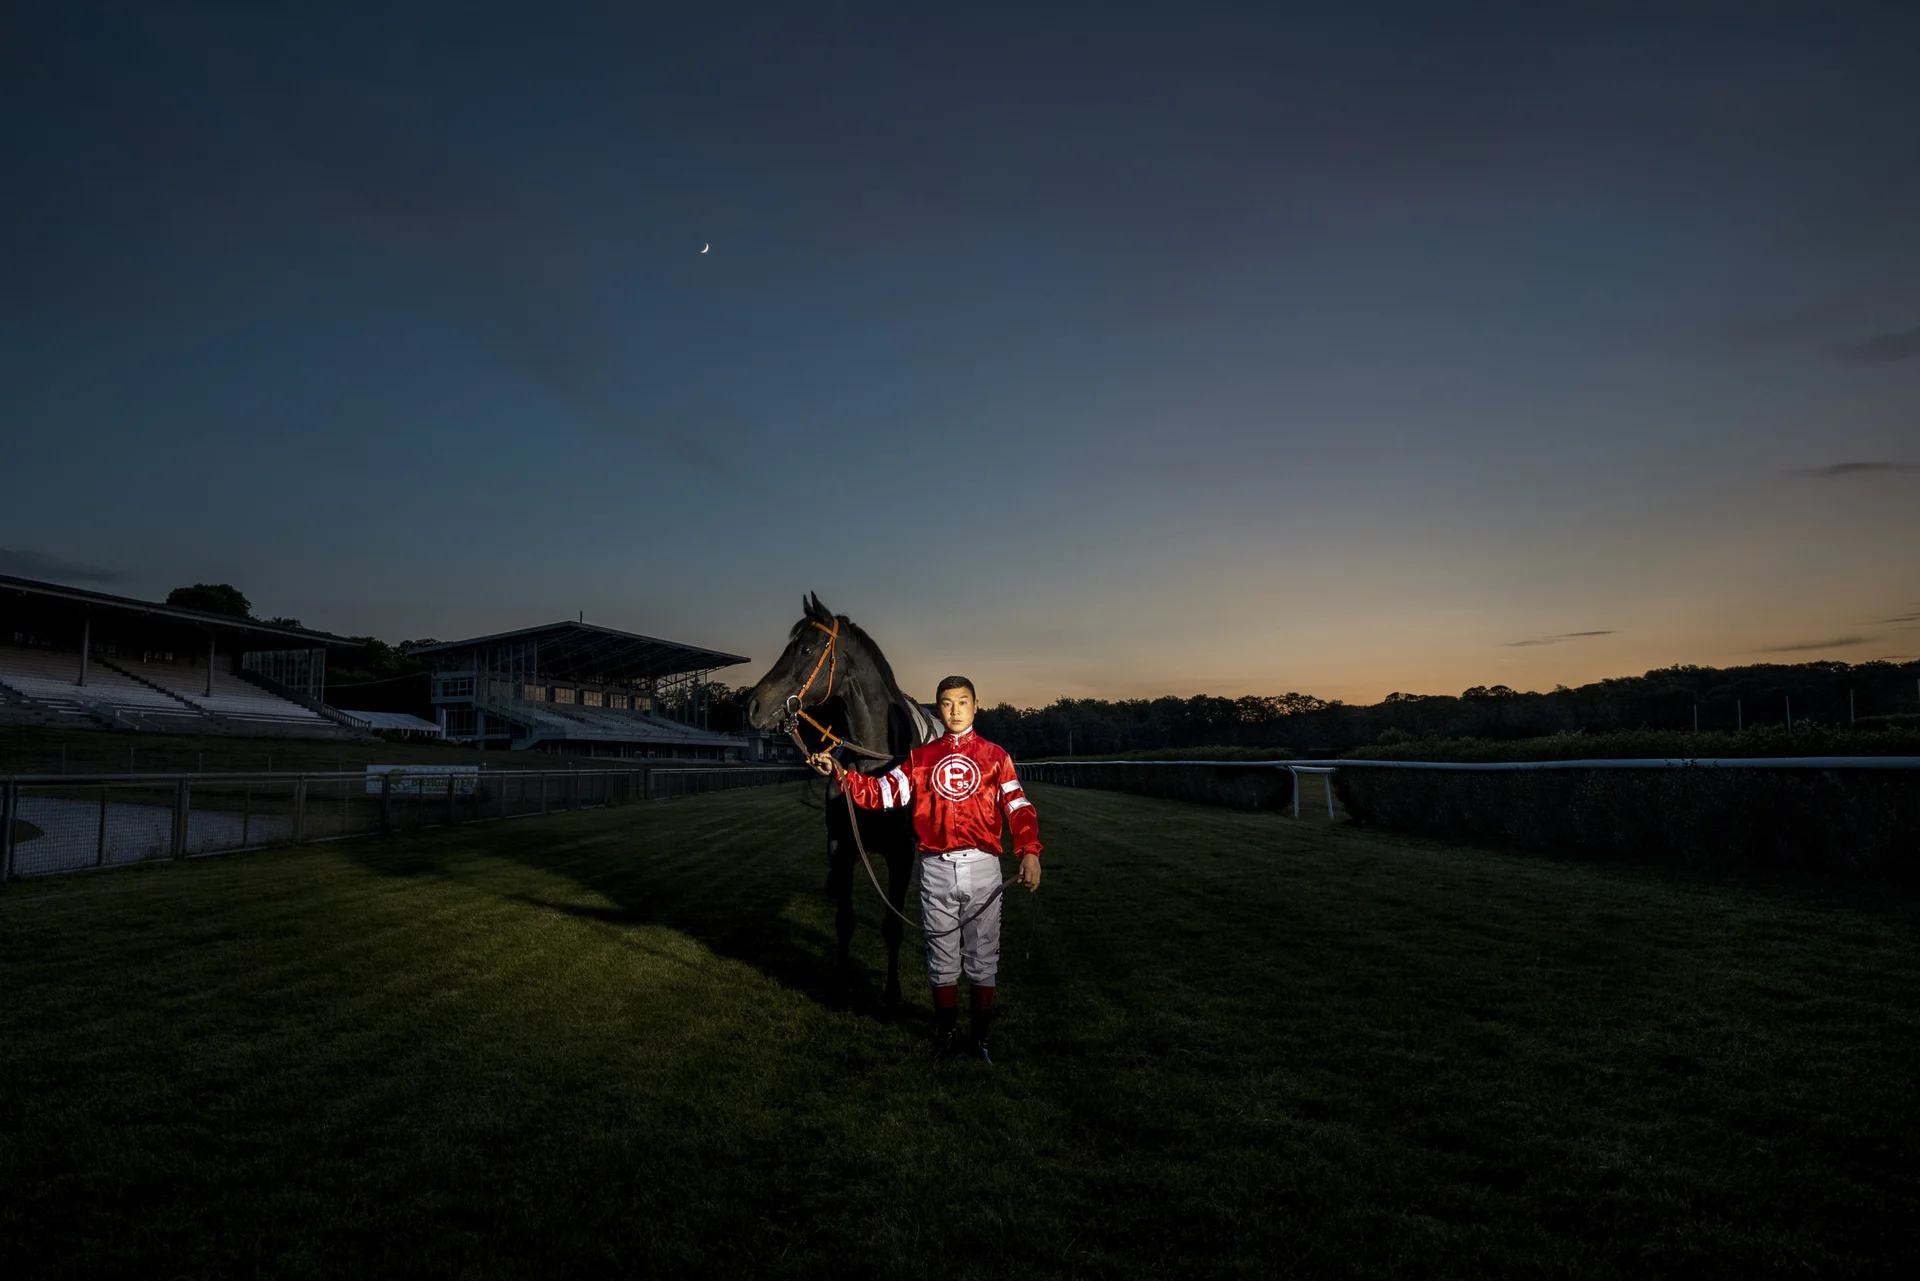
840 860
900 864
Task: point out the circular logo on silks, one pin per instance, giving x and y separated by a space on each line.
956 777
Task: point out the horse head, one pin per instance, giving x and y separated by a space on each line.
804 674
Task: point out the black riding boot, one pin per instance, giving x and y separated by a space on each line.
946 1032
982 1020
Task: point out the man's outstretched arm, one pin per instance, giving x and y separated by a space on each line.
889 791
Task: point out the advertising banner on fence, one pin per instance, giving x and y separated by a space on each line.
428 779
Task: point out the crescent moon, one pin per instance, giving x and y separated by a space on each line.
704 248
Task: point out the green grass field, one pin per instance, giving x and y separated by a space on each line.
1232 1044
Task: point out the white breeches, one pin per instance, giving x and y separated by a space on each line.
952 888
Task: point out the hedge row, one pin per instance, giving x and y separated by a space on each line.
1228 753
1851 824
1242 787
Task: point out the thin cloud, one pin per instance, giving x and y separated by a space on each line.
1554 640
23 562
1838 642
1833 471
1881 349
1902 618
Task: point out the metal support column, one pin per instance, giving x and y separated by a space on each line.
86 644
300 812
9 806
386 801
182 806
212 656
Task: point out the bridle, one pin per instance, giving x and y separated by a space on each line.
829 659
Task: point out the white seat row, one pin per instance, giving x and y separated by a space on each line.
53 678
232 697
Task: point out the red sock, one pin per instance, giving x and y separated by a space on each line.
980 996
946 996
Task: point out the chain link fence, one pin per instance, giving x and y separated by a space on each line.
69 823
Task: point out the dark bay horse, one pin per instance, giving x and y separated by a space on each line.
833 671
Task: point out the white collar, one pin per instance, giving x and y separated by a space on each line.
962 736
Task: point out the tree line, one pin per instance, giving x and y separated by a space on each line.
1668 698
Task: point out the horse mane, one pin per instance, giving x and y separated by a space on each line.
894 692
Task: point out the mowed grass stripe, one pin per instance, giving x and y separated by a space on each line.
1232 1043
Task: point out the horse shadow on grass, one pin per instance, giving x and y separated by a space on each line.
761 907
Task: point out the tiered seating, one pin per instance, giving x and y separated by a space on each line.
51 678
575 721
18 709
241 703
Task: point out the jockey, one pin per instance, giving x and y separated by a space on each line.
958 788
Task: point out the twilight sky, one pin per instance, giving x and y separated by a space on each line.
1085 352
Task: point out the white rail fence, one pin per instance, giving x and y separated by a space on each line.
65 823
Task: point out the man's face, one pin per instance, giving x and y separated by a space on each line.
956 709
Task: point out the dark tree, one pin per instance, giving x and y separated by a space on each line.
213 598
726 707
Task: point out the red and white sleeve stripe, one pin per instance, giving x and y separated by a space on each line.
1013 796
895 790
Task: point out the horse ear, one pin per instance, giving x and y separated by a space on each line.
816 610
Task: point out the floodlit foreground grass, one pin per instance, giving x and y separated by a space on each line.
1233 1044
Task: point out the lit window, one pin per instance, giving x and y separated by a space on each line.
617 700
590 697
561 694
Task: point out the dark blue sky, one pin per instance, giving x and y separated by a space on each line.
1091 353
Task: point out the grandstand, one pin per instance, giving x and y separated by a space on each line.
580 689
88 660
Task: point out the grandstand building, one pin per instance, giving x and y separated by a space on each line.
88 660
579 689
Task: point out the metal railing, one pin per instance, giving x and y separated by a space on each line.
65 823
1247 790
1054 771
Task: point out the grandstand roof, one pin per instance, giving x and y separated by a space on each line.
268 635
587 650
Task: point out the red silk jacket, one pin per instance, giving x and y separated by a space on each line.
958 786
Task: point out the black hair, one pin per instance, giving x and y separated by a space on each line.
955 682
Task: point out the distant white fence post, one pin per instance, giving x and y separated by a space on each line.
1326 779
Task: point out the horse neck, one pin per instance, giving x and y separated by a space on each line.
868 697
